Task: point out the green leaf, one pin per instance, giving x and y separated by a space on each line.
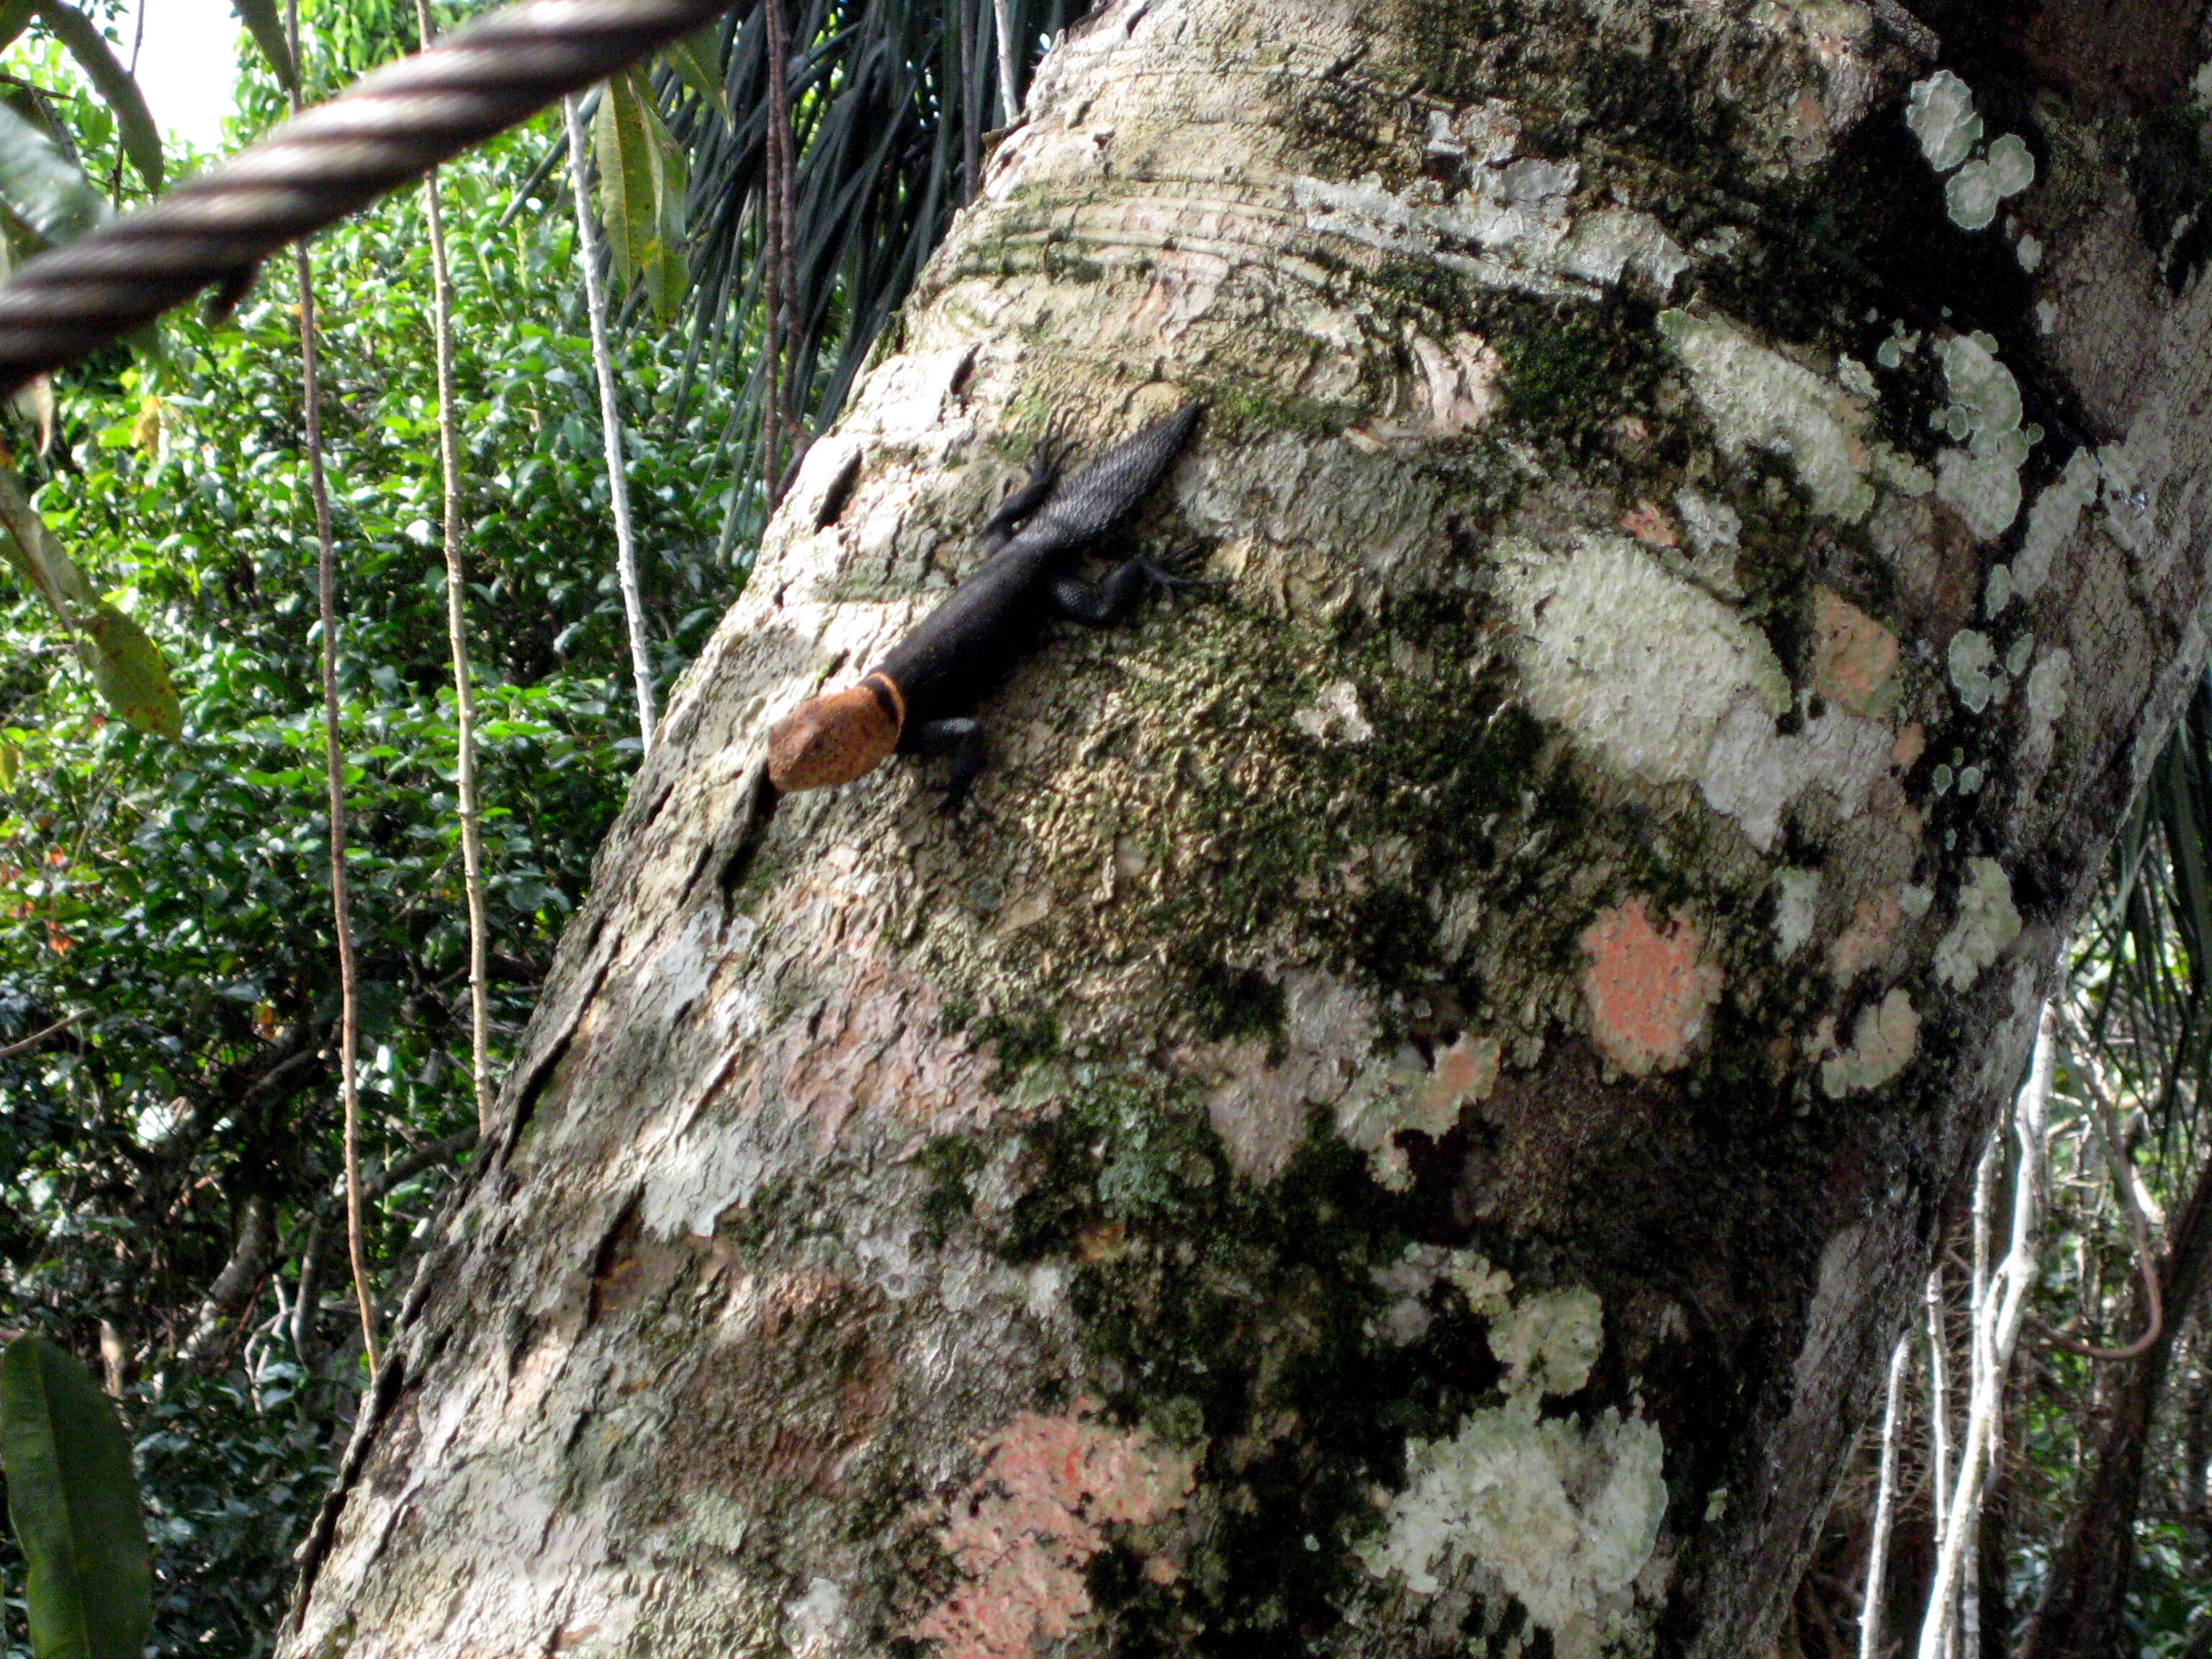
14 18
133 680
126 664
142 139
267 28
697 61
37 556
73 1502
48 193
642 185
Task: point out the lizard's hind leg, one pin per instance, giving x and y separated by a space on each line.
961 737
1095 605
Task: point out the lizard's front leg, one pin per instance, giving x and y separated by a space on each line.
1044 477
960 736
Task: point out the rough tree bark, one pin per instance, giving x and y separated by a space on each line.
1407 1116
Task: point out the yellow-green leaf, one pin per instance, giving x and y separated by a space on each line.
133 680
30 547
697 61
642 186
142 139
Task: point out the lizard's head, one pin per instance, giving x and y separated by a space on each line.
834 739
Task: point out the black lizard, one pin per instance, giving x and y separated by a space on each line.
917 700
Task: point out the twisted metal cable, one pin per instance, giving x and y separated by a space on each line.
392 126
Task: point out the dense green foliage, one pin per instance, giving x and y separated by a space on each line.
173 901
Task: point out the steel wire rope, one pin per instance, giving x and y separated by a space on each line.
388 129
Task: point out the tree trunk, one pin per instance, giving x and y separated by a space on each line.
1406 1116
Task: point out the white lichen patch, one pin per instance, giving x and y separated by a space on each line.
2053 521
1985 924
1977 190
1757 398
1565 1516
1549 1343
1754 770
1671 686
2013 163
2046 697
1335 716
1982 481
1397 1092
1883 1041
1515 224
1409 1281
1639 663
1796 903
1941 112
1970 196
1975 670
1716 534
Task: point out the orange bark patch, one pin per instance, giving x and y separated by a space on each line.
1648 992
1648 524
1856 657
1022 1535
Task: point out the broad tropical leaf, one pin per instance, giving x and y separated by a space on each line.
641 187
74 1503
264 23
126 665
696 60
49 194
14 18
142 139
38 557
133 680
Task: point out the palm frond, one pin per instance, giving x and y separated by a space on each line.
888 102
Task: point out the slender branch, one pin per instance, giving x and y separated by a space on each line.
779 269
2124 1178
595 307
2001 1314
1885 1505
36 1038
333 763
457 637
1009 102
232 1293
1939 1406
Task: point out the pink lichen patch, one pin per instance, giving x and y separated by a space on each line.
1648 522
1867 940
1022 1535
1464 1073
1854 659
1649 992
1912 743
